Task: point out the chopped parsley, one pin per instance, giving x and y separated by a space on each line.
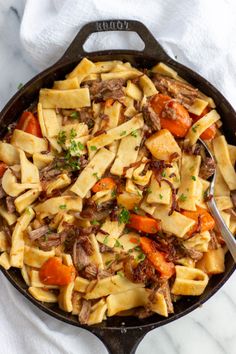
160 196
61 139
193 178
183 197
94 222
163 174
121 274
123 133
136 208
123 217
72 133
113 193
105 241
20 86
107 263
137 248
74 115
62 207
80 146
134 133
95 174
149 191
141 257
117 244
93 148
194 128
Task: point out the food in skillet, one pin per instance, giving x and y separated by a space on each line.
103 192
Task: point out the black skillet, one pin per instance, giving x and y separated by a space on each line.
121 335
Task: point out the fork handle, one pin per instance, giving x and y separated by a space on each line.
223 228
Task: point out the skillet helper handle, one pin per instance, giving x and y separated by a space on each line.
152 47
222 227
124 341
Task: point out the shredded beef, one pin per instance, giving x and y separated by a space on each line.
103 273
165 291
194 149
10 204
37 233
144 272
216 240
158 166
6 229
80 256
174 200
151 118
85 311
207 168
90 272
184 93
232 212
2 192
102 90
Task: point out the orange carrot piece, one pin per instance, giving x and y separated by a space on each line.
143 223
109 102
157 258
104 184
173 116
29 124
53 272
200 216
3 168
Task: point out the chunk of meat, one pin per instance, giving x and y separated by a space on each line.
37 233
90 272
183 92
143 272
151 118
10 204
85 311
103 90
207 168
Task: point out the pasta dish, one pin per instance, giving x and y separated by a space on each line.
103 192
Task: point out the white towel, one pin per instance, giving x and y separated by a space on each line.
201 33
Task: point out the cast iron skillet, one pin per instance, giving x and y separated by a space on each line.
121 335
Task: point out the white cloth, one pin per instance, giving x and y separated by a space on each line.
201 33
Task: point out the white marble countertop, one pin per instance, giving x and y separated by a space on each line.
210 329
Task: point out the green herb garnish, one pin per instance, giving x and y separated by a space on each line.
123 133
121 274
95 174
80 146
27 210
141 257
134 133
163 174
117 244
148 190
193 178
20 86
94 222
107 263
62 207
61 139
74 115
123 217
160 196
72 133
136 208
93 148
183 197
105 241
113 193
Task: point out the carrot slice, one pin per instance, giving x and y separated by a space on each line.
29 124
157 258
53 272
3 168
143 223
173 116
210 132
204 220
109 102
104 184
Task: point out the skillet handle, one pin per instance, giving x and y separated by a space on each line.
124 341
152 47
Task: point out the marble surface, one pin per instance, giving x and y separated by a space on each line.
210 329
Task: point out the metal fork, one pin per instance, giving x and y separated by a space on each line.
221 225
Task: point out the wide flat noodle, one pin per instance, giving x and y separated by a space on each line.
223 161
115 134
175 223
76 98
94 170
28 142
201 125
9 154
127 152
83 69
188 188
68 84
